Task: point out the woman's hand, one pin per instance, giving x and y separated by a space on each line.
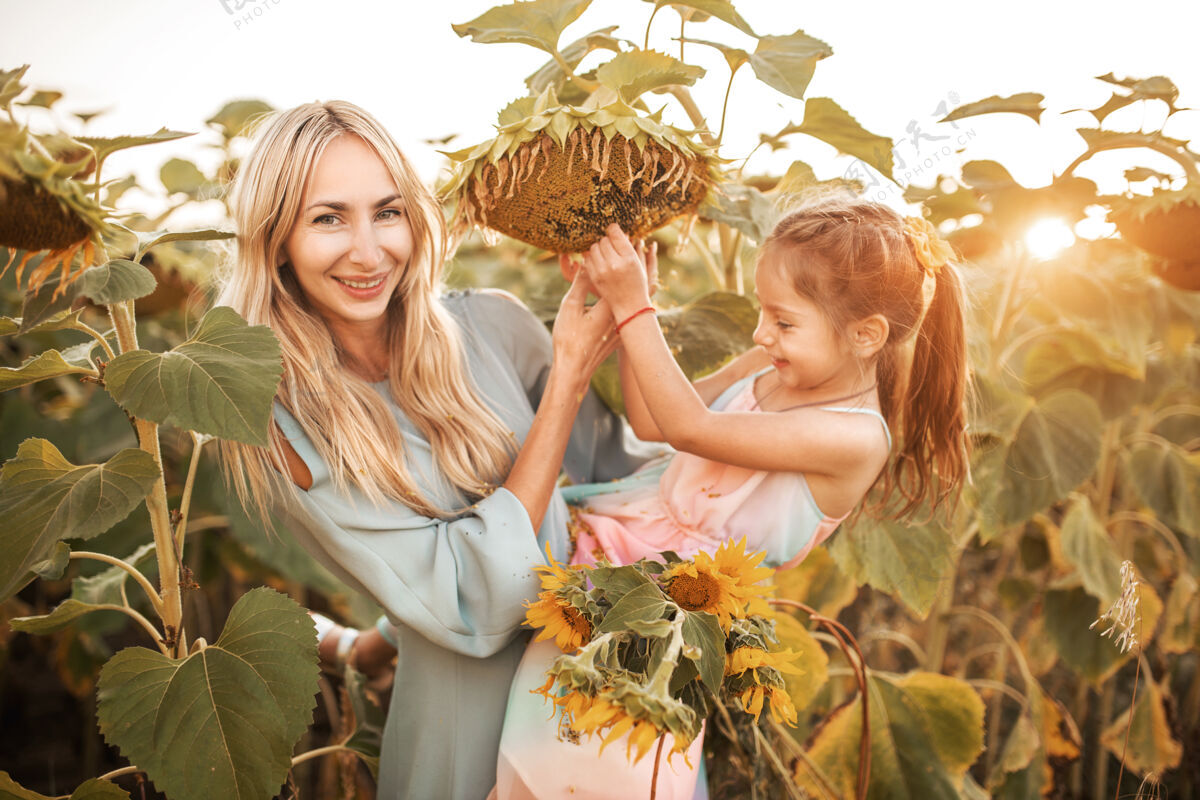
583 335
622 273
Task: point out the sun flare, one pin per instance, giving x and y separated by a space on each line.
1048 237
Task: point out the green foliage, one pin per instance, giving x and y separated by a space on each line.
44 499
538 23
787 63
911 562
1027 103
721 9
104 591
633 73
220 382
926 729
94 789
221 722
116 282
50 364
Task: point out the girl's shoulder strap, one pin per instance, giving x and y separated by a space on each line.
870 412
736 389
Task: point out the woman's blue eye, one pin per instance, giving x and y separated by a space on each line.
325 217
393 213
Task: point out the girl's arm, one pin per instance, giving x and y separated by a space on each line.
709 387
812 441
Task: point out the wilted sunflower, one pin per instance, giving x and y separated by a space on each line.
44 208
699 585
556 175
555 576
560 621
754 658
628 708
780 704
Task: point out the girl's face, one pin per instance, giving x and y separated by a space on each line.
807 351
352 241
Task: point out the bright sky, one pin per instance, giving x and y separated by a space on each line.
173 64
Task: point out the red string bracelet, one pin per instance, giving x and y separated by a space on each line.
630 318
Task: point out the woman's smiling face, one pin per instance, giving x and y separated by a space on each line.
352 241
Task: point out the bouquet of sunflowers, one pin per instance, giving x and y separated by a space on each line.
648 648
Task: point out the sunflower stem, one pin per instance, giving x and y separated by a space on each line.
181 526
171 611
661 681
646 39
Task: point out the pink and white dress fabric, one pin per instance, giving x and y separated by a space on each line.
681 503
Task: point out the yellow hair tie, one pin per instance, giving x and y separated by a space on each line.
933 252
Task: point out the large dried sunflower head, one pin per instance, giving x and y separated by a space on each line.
43 208
559 176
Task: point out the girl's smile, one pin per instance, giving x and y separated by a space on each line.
809 355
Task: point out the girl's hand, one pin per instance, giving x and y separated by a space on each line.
619 272
583 335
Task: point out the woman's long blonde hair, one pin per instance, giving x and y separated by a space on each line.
349 422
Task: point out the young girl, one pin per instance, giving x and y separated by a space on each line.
778 447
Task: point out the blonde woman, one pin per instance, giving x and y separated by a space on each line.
417 436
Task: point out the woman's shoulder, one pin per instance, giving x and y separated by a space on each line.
498 317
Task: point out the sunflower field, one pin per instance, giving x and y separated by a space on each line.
1039 639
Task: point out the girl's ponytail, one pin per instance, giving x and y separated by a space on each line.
933 415
856 258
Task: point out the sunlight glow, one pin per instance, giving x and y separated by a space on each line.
1048 237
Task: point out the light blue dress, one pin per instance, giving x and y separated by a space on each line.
454 589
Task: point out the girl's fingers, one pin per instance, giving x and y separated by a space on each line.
620 242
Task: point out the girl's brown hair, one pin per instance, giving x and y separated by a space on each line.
855 258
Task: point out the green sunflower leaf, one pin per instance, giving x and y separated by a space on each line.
826 120
1087 545
106 146
635 72
104 591
46 365
721 9
221 381
702 631
551 73
912 562
94 789
223 721
645 603
787 63
1167 479
1027 103
926 729
116 282
236 116
537 23
44 499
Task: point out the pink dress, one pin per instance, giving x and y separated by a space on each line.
682 503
